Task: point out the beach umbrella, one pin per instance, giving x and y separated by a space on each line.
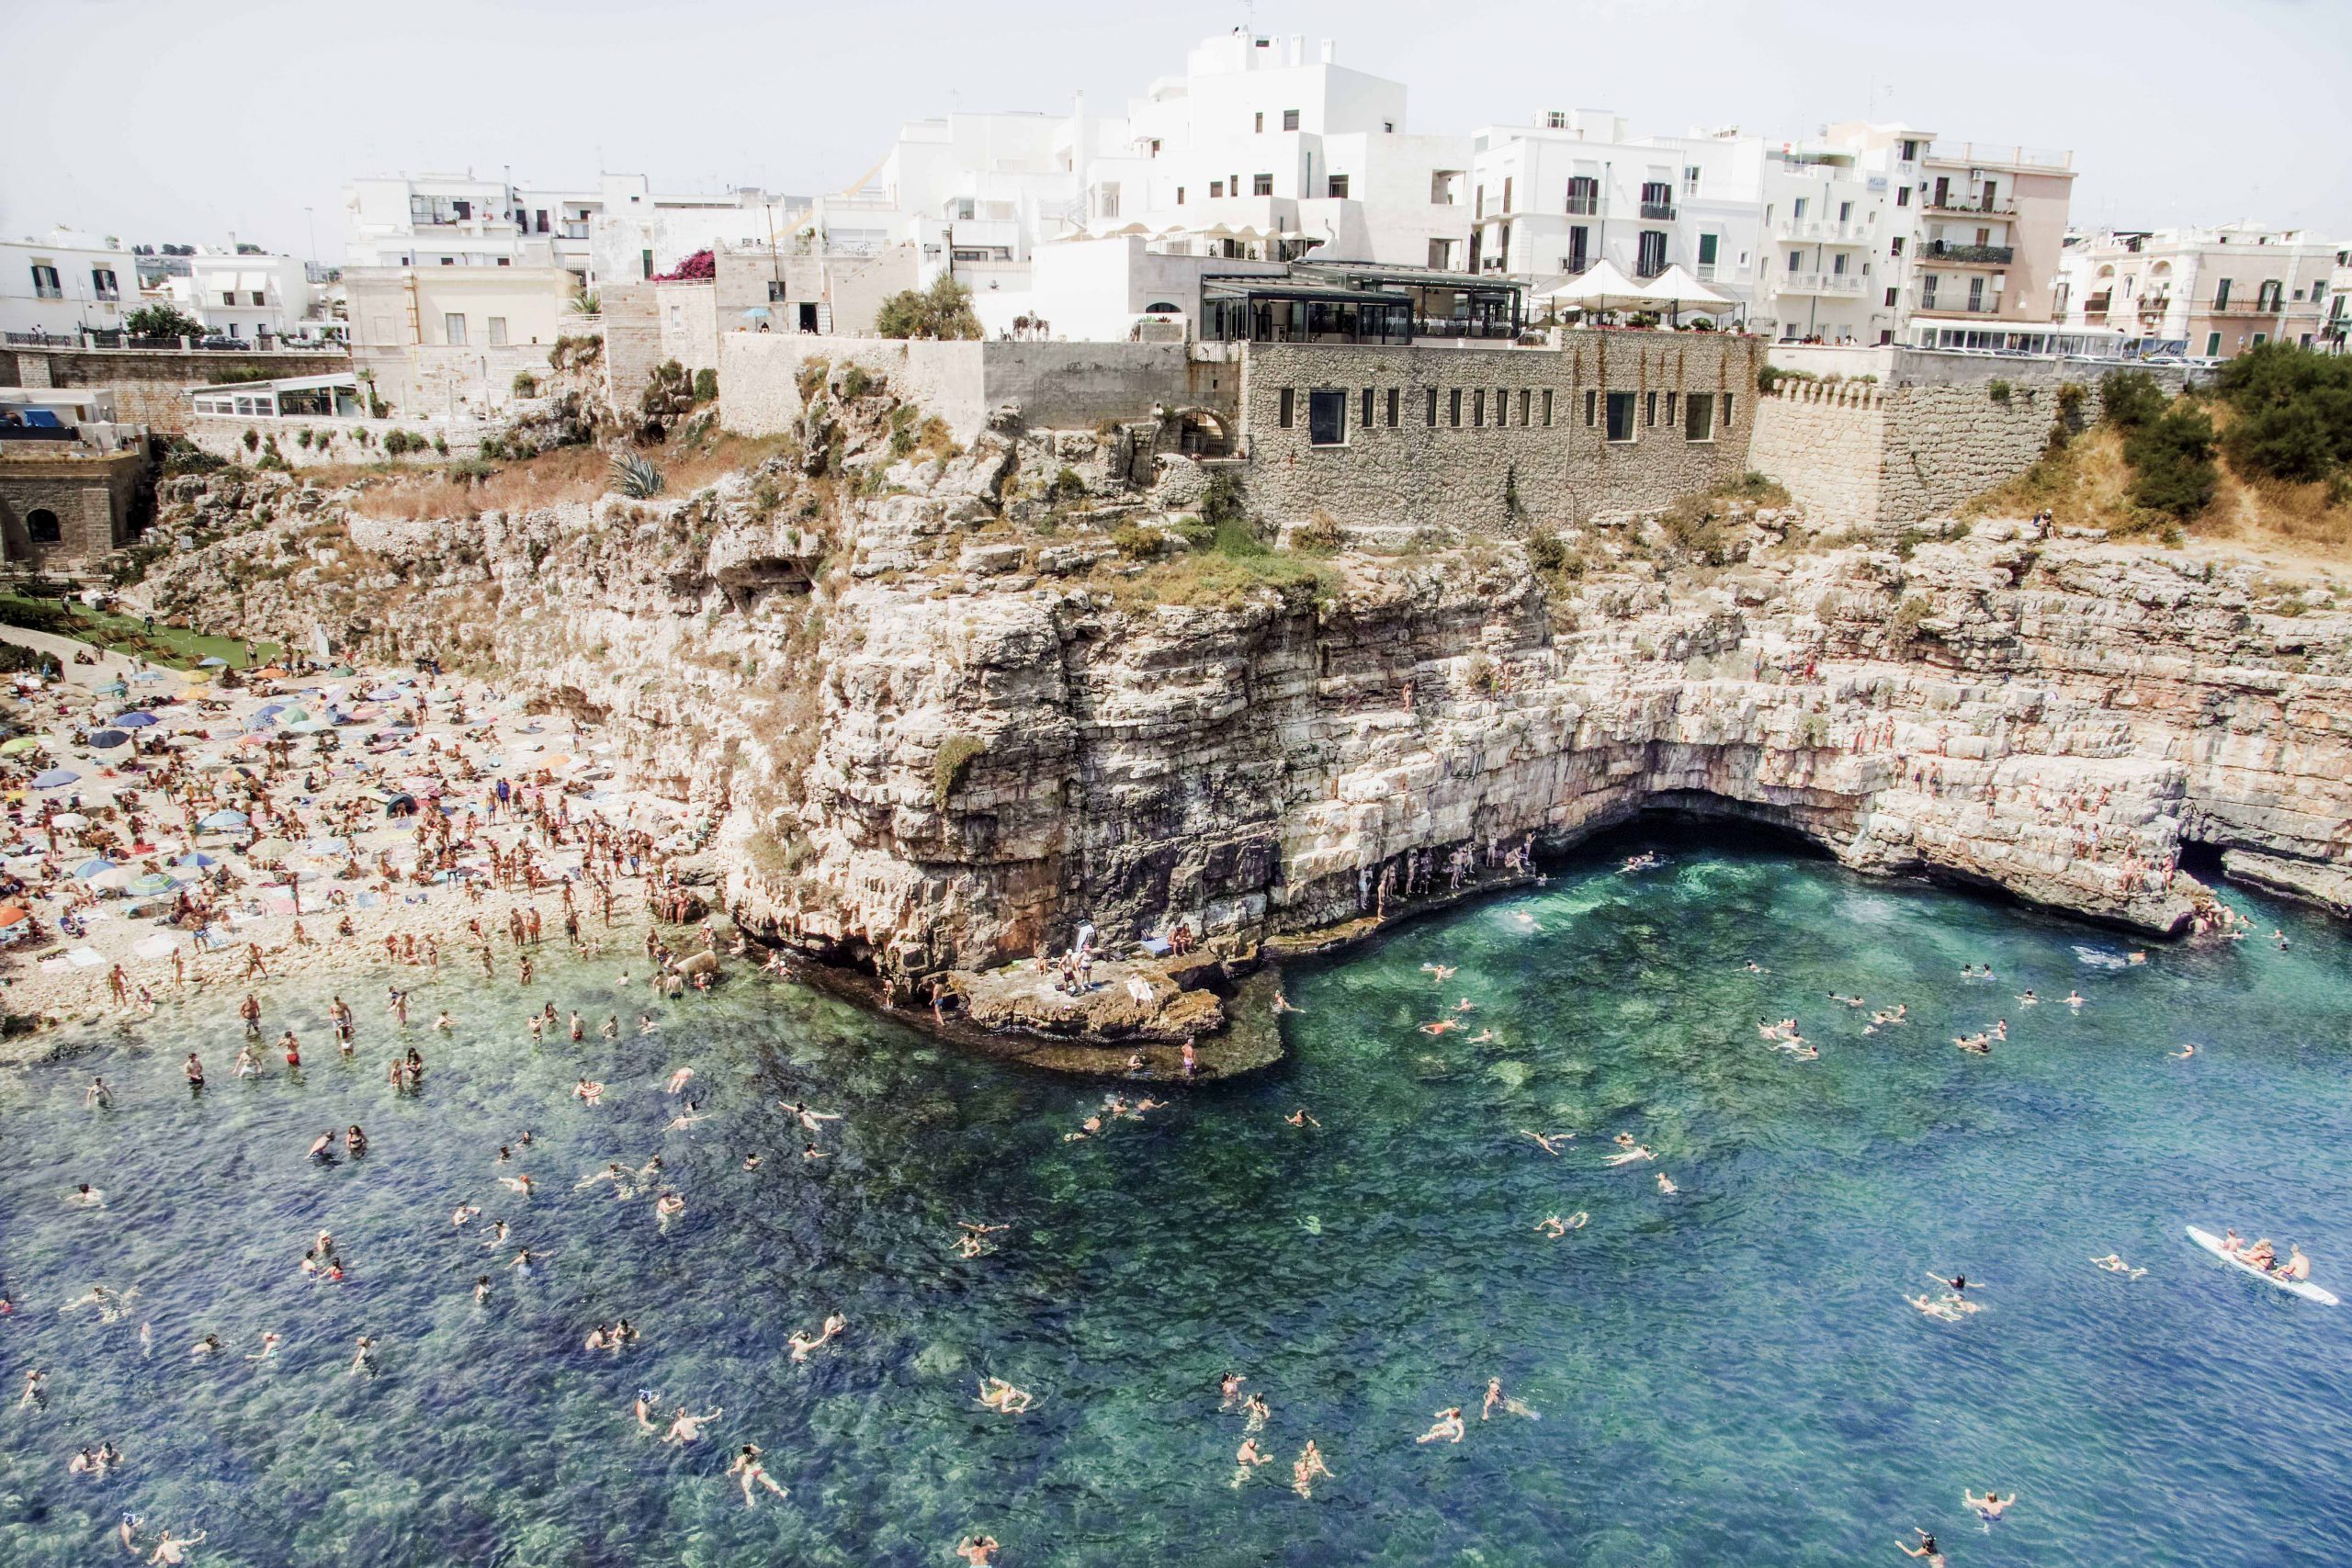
90 869
11 915
328 847
107 739
154 882
310 727
385 695
268 849
148 677
270 672
55 778
212 662
70 819
222 821
20 745
197 859
135 720
292 717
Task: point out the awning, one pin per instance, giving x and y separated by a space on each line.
253 280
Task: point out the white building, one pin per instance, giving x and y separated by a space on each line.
245 295
2210 292
1555 198
63 283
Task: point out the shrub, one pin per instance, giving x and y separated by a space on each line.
957 754
1320 535
1238 540
2130 398
162 321
1067 486
705 385
636 477
856 382
2070 400
184 456
2293 412
810 377
395 443
1771 376
253 439
468 469
1997 391
1137 543
526 384
1224 499
2172 462
494 447
440 444
1545 553
943 310
1903 626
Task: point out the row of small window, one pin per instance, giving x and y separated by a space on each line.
1624 414
241 402
452 330
1259 185
47 286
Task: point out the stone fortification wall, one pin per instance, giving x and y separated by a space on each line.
151 385
1437 455
334 440
1069 386
1826 445
95 502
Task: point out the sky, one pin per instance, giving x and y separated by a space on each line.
247 117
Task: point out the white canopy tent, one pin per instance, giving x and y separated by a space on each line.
1602 287
1675 289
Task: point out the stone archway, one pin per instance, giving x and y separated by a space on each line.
1199 432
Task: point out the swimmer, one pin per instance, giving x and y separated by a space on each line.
1553 1227
1299 1118
1752 967
35 1391
677 1079
98 1096
1666 1184
481 1289
1449 1428
363 1359
975 1549
1925 1551
802 1343
1259 1414
171 1552
1989 1508
588 1091
1439 1027
269 1342
687 1118
1246 1456
808 1118
685 1427
461 1214
88 1197
519 1183
1483 1036
1946 1309
2135 957
1003 1397
750 1474
2073 998
1306 1467
810 1151
1440 972
668 1206
648 1402
320 1147
125 1531
2182 1054
1228 1388
207 1345
2027 998
443 1021
1547 1142
1495 1398
1627 1156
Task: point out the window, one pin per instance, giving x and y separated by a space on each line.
1478 408
2212 345
1796 261
1592 402
1890 299
1838 265
1799 214
1707 249
2261 338
1621 417
1903 195
1338 187
1392 408
1583 196
1286 415
1432 408
1216 190
2222 294
1845 212
1258 121
1650 260
1976 293
41 526
1180 196
498 331
1327 417
228 298
1454 407
1896 249
1290 119
1579 256
1699 417
775 291
1503 408
1671 398
1261 185
541 214
1363 419
1547 407
1649 408
1690 180
102 284
453 328
644 264
1507 185
257 297
1910 152
1726 410
1526 404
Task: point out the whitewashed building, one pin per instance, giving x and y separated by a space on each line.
244 295
62 282
2213 293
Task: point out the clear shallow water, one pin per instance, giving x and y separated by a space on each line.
1725 1375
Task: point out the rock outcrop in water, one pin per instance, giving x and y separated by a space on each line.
941 734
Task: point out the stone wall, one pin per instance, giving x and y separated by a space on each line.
334 440
94 500
632 339
447 381
151 386
1826 445
1445 461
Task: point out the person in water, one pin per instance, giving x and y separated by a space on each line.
750 1474
1989 1508
1927 1551
1449 1428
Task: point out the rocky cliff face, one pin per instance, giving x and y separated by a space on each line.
939 734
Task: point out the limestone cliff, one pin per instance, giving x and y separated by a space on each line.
944 720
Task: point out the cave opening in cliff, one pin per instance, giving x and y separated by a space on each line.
1696 820
2201 859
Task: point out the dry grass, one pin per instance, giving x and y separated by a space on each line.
2302 518
562 474
2088 485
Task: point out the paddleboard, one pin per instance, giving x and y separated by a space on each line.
2302 1288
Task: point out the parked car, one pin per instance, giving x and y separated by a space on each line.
217 341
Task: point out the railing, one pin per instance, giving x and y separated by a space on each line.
1661 210
1828 229
2098 303
1647 269
1968 255
1962 306
1458 326
1984 153
1583 206
1956 202
1822 283
48 291
39 340
1703 271
2257 306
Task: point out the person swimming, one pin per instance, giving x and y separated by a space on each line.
1927 1551
1449 1427
1548 1142
1989 1508
1003 1397
2113 1263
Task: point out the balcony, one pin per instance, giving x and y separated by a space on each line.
1967 255
1957 202
2257 306
1662 212
1824 231
1840 284
1984 307
1977 154
48 291
1583 206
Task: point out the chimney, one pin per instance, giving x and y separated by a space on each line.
1330 50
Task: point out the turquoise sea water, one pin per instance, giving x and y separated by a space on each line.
1728 1374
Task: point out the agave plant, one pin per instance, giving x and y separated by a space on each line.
636 477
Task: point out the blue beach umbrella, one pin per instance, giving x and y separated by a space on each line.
89 870
106 739
386 695
153 883
55 778
222 821
135 720
212 662
197 861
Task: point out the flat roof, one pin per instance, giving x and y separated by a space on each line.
1283 289
1417 276
283 384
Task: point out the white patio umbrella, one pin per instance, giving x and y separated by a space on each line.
1602 287
1675 291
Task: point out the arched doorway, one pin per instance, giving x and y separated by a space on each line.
42 528
1201 433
